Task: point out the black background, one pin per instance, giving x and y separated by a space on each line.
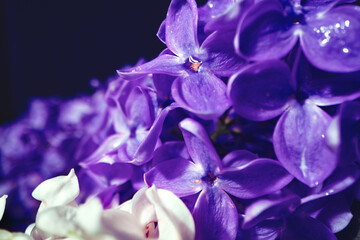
55 47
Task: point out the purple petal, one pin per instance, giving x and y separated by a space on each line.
238 158
336 214
181 27
201 93
110 145
264 33
199 146
314 4
259 177
324 88
340 180
349 117
146 149
186 180
265 230
163 64
330 39
221 57
162 83
139 109
161 32
305 228
269 208
261 91
112 174
217 7
230 19
300 145
215 215
170 150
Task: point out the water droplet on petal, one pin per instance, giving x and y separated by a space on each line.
347 23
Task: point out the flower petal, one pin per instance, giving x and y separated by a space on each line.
300 145
238 158
201 93
163 84
146 149
261 91
335 214
181 27
215 215
170 150
349 116
2 205
139 109
163 64
330 39
174 219
217 7
122 225
112 174
269 208
110 144
186 180
324 88
305 228
341 179
230 19
199 146
58 221
59 190
221 58
264 33
257 178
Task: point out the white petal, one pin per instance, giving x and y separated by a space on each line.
142 208
58 191
126 206
5 235
121 224
174 219
29 229
2 205
88 216
58 221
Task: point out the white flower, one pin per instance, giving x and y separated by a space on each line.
151 214
57 191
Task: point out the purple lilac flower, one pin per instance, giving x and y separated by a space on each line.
328 34
299 135
289 217
197 87
42 144
137 124
238 174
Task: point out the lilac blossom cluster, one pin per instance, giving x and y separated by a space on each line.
246 127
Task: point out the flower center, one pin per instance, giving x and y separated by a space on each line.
151 230
193 64
210 178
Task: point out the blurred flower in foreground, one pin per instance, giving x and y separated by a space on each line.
152 213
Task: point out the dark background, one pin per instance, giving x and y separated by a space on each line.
55 47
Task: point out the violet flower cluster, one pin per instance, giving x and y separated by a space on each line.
245 127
